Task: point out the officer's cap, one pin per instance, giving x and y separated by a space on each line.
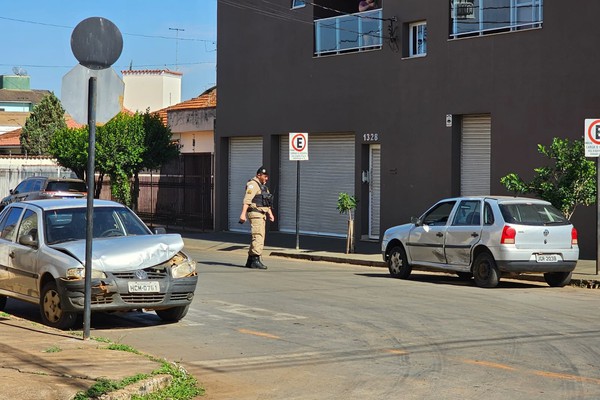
262 171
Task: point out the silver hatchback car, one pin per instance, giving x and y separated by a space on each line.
42 261
485 237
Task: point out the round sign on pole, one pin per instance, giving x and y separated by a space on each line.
298 146
96 43
591 136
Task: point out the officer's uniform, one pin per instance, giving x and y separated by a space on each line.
259 201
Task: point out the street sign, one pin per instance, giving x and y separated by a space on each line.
591 136
74 93
298 146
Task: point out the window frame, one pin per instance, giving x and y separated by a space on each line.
297 4
413 37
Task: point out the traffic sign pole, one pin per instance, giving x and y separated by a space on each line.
591 142
298 205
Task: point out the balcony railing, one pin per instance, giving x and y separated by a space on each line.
348 33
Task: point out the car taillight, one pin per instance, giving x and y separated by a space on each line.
573 237
508 235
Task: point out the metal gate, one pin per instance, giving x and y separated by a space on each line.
180 194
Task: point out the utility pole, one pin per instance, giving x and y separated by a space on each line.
177 30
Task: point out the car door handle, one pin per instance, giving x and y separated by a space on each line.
11 254
439 234
475 234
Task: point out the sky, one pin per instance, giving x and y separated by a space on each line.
180 35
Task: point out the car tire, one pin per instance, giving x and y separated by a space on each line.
51 309
398 263
485 271
2 302
558 279
173 314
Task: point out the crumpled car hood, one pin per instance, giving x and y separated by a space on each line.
126 253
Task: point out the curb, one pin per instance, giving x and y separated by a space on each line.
575 282
141 388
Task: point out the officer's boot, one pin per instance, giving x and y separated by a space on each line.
261 263
249 261
257 264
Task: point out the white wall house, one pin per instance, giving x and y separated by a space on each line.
154 89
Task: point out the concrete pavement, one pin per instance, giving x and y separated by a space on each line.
42 363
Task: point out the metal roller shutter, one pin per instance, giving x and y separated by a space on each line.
475 158
374 191
245 157
328 172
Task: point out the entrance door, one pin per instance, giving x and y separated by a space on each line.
374 190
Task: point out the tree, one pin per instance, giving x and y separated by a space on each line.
70 148
346 204
570 182
46 119
119 150
158 149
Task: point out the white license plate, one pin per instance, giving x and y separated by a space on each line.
547 258
143 287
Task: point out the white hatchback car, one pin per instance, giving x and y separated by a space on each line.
485 237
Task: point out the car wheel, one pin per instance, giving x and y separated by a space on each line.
173 314
558 279
485 271
465 276
2 303
51 309
398 263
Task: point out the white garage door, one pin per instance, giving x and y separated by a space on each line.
374 190
328 172
475 159
245 157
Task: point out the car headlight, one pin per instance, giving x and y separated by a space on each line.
183 269
79 273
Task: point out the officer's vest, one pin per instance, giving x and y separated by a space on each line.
264 198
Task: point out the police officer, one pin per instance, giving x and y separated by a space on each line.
257 206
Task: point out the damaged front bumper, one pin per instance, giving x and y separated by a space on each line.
119 293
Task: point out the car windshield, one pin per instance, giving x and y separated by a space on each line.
532 214
70 224
66 186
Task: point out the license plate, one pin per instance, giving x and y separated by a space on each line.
547 258
143 287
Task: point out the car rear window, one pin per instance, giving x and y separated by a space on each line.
58 186
532 214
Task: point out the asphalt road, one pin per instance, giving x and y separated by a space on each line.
314 330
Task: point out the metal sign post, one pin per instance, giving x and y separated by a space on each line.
591 139
96 43
298 152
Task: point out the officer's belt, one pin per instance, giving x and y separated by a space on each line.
257 210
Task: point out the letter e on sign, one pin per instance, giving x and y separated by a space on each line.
298 146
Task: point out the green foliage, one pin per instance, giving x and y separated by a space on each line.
46 118
70 148
119 151
158 143
183 387
346 204
53 349
571 181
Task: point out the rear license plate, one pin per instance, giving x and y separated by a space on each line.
143 287
547 258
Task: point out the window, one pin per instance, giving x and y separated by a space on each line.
467 213
7 228
29 225
438 216
417 37
480 17
298 3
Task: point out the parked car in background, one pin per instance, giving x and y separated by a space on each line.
485 237
42 258
41 187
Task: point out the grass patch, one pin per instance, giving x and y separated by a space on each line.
53 349
182 387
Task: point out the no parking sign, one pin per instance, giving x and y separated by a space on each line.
298 146
591 137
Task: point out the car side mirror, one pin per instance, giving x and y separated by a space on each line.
416 221
160 231
28 240
11 191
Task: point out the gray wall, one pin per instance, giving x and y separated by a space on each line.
536 84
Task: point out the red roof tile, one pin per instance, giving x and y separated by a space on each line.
207 99
12 138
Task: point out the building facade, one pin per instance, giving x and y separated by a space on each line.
151 89
405 103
